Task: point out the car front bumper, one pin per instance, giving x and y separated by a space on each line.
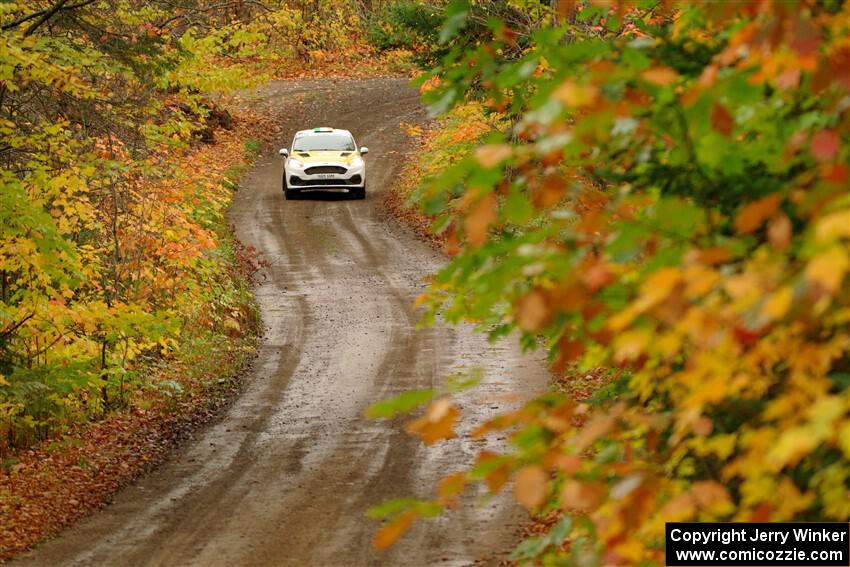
300 180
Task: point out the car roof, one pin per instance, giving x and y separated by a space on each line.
321 130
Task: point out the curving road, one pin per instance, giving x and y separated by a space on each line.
285 476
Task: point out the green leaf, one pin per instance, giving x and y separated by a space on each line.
517 208
392 508
456 14
403 403
529 548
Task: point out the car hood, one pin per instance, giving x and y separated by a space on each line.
324 157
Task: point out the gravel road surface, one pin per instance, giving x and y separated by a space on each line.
285 476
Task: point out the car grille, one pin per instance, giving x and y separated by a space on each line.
325 169
354 180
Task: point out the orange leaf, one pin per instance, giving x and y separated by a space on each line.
570 464
597 275
551 191
437 423
497 478
598 426
721 120
479 219
566 8
574 95
582 496
779 232
491 155
715 255
754 214
709 493
661 76
389 533
530 486
451 486
569 350
532 311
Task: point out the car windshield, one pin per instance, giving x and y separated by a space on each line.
324 141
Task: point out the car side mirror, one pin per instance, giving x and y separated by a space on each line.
364 150
284 152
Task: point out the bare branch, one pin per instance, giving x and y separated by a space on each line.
45 15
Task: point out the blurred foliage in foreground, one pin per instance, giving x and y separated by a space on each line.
666 198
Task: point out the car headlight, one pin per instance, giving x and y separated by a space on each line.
356 163
295 164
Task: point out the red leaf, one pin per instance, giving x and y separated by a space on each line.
825 145
840 66
746 337
836 173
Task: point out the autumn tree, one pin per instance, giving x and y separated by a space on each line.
663 201
104 241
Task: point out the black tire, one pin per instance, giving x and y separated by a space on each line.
359 192
289 194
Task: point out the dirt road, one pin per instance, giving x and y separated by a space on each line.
285 476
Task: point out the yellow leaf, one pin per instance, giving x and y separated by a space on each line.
631 344
789 501
828 269
777 305
844 437
833 226
574 95
711 390
3 381
792 446
657 287
631 550
530 486
699 280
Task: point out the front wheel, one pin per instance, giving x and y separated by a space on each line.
291 194
359 192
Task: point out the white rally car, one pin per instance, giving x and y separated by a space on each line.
324 158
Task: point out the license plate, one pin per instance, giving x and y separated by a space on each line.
325 176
